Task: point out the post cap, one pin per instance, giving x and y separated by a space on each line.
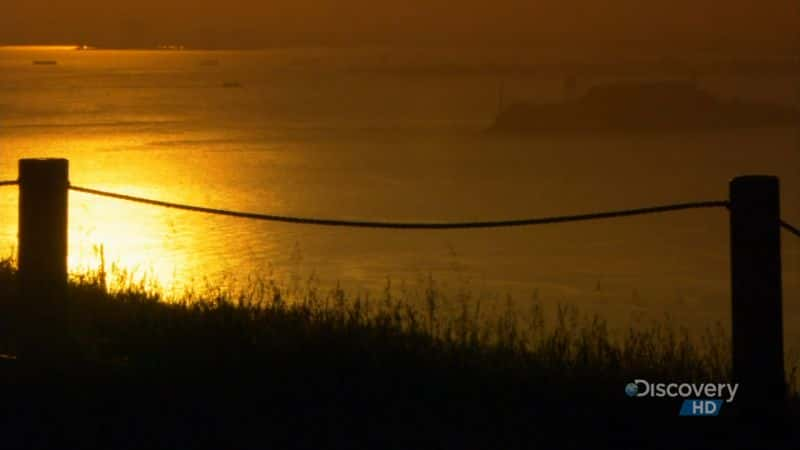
47 170
753 178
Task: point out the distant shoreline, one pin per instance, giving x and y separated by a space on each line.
782 65
532 45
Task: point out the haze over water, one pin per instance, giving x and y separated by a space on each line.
394 135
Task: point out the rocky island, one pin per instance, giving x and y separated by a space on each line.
664 106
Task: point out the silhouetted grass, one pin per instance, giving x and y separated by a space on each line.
132 323
387 367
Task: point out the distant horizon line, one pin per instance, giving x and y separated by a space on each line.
622 45
782 55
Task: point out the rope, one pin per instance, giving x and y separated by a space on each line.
409 225
790 228
9 183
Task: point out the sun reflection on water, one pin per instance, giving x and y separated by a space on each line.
120 234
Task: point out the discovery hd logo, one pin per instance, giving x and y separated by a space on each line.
704 399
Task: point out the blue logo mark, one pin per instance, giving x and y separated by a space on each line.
698 407
631 389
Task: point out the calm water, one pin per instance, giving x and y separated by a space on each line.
382 135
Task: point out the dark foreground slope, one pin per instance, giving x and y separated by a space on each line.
352 407
331 372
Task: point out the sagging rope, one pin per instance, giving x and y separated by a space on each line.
411 225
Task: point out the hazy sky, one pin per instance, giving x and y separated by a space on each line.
247 23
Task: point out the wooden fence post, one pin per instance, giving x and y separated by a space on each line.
758 364
42 257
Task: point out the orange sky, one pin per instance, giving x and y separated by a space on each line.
246 23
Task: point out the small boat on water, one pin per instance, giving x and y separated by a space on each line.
665 106
45 62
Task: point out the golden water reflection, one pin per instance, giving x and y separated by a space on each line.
168 249
363 146
127 236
